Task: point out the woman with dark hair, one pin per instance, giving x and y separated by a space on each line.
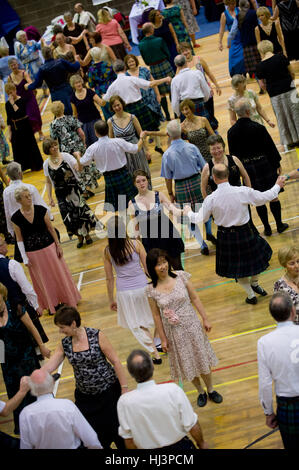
99 375
126 126
107 54
190 354
126 257
155 228
64 50
164 29
16 330
61 171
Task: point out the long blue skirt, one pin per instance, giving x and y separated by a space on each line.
236 57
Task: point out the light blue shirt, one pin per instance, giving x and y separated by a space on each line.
181 160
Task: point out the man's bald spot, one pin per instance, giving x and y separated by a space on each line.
38 376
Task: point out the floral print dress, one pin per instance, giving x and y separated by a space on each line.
190 352
64 130
4 148
76 215
28 54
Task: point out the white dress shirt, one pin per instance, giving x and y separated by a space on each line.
11 205
188 84
85 19
128 88
17 274
55 423
229 204
154 415
278 361
108 154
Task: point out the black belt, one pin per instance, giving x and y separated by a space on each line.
188 178
112 172
234 228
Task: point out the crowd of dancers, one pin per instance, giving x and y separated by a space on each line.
107 111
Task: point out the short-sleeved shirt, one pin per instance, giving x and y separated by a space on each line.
86 109
109 32
276 73
181 160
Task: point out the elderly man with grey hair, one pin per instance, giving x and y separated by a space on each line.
84 18
183 163
128 88
14 172
53 423
156 416
192 85
252 144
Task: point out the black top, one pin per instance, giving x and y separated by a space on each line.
164 32
288 15
86 109
55 72
248 139
247 29
13 115
36 235
80 46
275 71
233 177
271 37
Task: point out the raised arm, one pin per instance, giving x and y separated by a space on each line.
17 399
169 205
55 361
26 320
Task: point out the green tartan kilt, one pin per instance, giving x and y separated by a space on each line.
145 116
162 70
118 183
187 191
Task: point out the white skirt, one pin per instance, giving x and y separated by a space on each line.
134 312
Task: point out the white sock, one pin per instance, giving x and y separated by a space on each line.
157 342
244 282
254 281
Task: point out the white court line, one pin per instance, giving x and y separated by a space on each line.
59 371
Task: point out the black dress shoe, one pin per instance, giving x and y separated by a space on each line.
211 238
6 162
252 301
202 399
268 231
259 290
89 241
282 228
215 397
158 149
205 251
79 244
156 361
159 348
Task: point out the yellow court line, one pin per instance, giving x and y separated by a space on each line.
244 333
227 383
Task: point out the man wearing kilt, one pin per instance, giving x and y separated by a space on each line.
183 163
155 53
241 253
192 85
277 354
128 88
110 159
252 144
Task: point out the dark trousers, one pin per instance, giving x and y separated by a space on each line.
180 446
8 442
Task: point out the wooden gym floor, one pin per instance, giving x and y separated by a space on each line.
236 326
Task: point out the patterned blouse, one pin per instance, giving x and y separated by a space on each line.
93 373
282 285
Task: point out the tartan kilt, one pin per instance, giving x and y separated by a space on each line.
187 191
144 114
288 421
241 252
162 70
118 182
251 58
262 175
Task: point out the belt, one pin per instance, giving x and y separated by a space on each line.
16 120
158 62
188 178
288 399
234 228
118 170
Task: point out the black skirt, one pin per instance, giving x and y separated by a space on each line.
241 252
100 410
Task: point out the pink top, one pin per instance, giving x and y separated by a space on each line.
109 33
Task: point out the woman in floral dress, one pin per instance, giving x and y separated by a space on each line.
4 148
67 130
61 172
28 53
171 295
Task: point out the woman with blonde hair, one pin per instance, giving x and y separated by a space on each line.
276 75
288 257
112 34
63 50
238 83
68 131
269 30
41 252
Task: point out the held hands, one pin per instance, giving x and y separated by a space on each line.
24 387
52 203
143 135
271 124
113 306
186 210
26 86
281 181
45 352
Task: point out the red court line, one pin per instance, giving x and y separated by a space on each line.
234 365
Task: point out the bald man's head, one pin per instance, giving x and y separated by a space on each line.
40 382
140 365
220 173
